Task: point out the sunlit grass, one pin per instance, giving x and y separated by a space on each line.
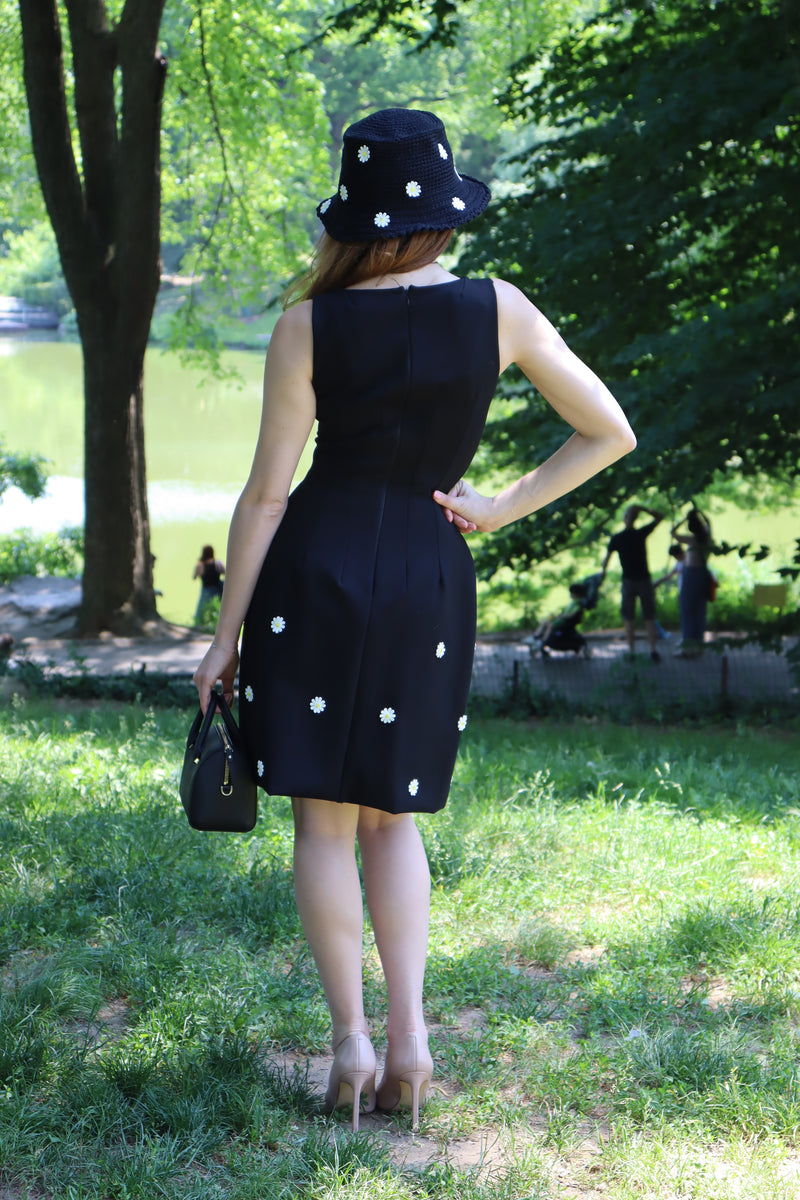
613 985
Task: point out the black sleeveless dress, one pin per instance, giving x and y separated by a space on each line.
358 643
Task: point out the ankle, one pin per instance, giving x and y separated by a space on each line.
342 1031
396 1031
407 1043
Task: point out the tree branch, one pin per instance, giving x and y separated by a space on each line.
143 72
94 60
218 125
43 69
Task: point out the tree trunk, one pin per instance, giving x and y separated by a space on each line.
106 220
118 575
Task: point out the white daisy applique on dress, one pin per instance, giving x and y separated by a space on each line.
458 203
343 192
260 768
323 208
441 650
413 787
462 723
382 219
413 189
317 704
442 151
363 154
277 624
248 693
387 715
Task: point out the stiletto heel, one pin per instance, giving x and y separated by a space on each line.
405 1082
352 1073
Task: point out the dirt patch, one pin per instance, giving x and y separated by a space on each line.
470 1020
585 956
718 992
110 1024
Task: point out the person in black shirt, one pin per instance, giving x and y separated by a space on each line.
631 546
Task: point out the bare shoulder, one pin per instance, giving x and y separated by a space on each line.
514 306
291 343
294 323
509 295
521 326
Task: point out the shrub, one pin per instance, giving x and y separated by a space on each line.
26 553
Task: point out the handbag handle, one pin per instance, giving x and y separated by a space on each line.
202 724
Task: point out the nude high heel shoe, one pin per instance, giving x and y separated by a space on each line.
406 1076
352 1073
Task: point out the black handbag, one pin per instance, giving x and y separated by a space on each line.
218 789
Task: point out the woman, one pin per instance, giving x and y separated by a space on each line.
358 593
209 570
693 595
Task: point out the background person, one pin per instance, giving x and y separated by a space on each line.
561 631
357 591
631 546
694 581
209 570
677 552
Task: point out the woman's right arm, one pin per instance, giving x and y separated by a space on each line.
601 430
287 416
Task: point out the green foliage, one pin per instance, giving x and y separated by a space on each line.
209 615
651 220
20 195
246 157
25 471
440 20
27 553
30 268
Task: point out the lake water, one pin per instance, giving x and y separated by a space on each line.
199 438
200 434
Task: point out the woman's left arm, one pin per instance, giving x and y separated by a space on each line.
601 431
287 417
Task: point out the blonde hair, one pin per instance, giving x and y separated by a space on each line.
340 264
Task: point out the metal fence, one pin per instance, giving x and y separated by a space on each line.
725 678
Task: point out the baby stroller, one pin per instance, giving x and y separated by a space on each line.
562 632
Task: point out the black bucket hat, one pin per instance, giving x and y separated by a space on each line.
398 176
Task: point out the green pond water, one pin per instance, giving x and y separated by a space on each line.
200 434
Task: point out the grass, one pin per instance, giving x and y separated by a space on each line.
613 987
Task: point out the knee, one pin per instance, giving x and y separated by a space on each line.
324 819
372 823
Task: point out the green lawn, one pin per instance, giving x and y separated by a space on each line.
613 983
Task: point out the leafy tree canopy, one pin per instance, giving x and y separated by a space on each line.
255 102
654 219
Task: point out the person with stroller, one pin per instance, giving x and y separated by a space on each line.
561 632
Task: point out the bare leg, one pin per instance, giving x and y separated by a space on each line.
652 635
397 884
328 894
630 634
